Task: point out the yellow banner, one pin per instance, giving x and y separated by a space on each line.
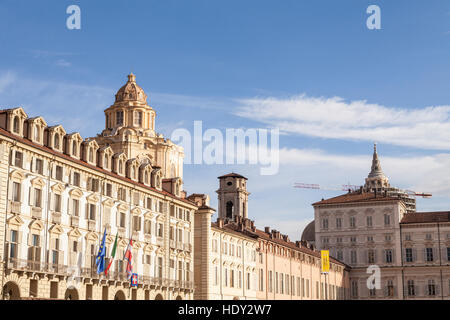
325 260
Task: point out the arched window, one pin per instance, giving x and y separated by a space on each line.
16 124
229 210
74 148
106 164
56 142
120 166
146 177
91 155
133 172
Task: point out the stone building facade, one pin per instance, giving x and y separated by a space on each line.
59 192
373 227
239 261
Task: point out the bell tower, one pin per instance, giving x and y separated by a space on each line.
233 196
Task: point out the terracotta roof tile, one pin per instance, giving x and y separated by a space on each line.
356 197
426 217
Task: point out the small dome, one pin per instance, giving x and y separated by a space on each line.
131 91
309 234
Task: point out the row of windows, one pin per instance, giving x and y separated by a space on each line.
233 250
431 288
233 278
353 222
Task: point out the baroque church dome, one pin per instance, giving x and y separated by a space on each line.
131 91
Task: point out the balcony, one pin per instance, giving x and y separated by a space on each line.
56 217
121 232
15 207
180 245
36 266
89 273
74 221
160 241
187 247
36 213
91 225
172 244
136 235
147 237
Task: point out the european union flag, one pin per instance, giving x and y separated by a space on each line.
100 259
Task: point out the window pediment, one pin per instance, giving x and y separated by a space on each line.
15 221
136 211
38 183
36 225
108 203
74 233
56 229
91 236
93 198
17 176
76 193
58 188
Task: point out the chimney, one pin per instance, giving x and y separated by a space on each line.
220 222
298 244
267 230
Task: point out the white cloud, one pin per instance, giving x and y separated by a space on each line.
426 128
420 173
6 80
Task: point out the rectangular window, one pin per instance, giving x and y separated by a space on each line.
160 230
122 219
371 256
119 118
13 244
270 281
149 203
39 166
57 203
37 198
325 224
408 255
76 179
18 159
92 212
59 173
429 254
411 288
369 221
389 255
387 219
16 192
352 222
431 288
338 223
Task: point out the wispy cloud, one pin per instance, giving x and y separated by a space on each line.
335 118
421 173
6 79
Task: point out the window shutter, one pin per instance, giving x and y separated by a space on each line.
30 254
61 257
87 211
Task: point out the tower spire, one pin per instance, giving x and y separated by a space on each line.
376 170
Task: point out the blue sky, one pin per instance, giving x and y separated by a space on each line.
310 68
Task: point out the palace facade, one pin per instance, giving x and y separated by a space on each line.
59 192
379 226
235 260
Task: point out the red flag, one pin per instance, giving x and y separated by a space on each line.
128 257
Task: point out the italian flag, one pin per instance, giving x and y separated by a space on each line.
113 254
